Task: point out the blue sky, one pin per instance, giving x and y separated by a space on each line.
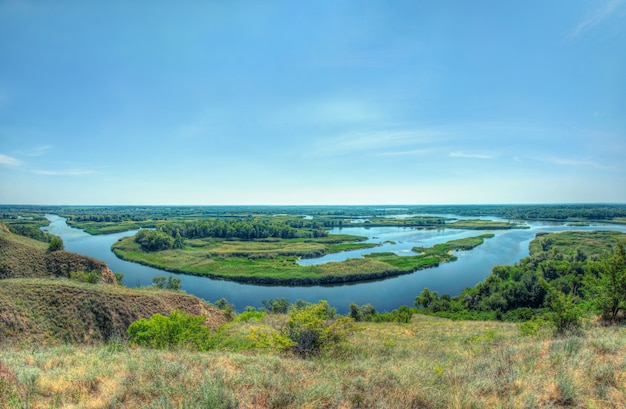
312 102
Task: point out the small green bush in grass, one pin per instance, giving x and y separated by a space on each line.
168 332
92 277
312 328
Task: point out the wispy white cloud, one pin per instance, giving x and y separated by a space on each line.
38 151
595 17
460 154
64 172
377 142
9 161
406 153
569 161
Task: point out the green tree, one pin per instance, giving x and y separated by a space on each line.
225 306
179 242
565 312
313 328
154 240
605 284
118 278
425 298
404 314
276 305
355 312
56 244
159 282
173 283
166 283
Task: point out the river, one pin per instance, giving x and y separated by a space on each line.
472 267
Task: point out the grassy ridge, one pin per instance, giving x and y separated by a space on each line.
39 304
53 310
275 262
430 363
24 257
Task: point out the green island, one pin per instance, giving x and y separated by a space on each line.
262 247
267 261
546 332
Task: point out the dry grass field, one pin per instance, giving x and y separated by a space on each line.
427 363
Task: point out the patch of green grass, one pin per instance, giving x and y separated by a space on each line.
479 224
112 227
336 248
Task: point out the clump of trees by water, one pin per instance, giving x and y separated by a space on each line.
172 235
556 282
554 287
154 240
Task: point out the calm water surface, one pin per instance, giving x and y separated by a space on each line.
472 267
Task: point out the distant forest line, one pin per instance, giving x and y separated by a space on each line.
120 213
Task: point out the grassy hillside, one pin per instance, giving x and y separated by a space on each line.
39 305
428 363
61 310
22 257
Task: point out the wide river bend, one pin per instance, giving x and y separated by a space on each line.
507 247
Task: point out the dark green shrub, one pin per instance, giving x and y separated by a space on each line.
277 305
56 244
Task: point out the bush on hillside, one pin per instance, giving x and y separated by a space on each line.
93 277
56 244
179 329
313 328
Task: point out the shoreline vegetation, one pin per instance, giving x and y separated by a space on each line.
265 263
